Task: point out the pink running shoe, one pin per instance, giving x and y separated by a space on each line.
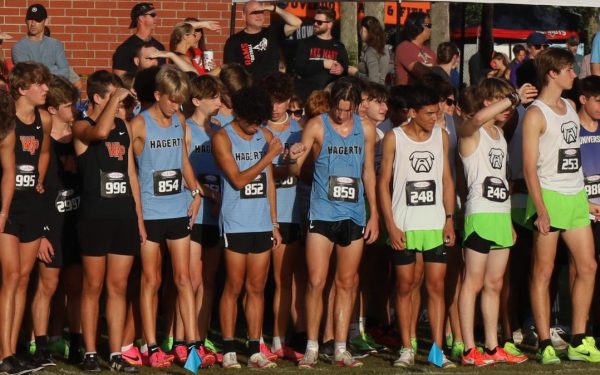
132 356
264 349
180 352
159 359
287 352
207 357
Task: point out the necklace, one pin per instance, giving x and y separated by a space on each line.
281 122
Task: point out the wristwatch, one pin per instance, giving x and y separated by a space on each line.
195 192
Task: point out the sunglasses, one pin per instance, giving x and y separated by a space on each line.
319 22
257 12
197 30
540 46
295 112
153 15
428 25
450 102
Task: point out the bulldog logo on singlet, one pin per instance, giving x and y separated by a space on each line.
29 143
115 150
496 158
421 161
569 131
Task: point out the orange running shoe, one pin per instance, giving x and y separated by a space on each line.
475 358
501 356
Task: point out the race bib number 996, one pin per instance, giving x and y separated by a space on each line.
420 193
255 189
114 185
344 189
167 182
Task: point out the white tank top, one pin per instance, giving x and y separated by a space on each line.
417 199
485 171
559 161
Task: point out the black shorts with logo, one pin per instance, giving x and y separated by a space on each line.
167 229
27 226
99 237
249 243
206 235
341 232
290 232
405 257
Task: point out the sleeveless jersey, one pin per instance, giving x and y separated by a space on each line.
205 169
159 170
288 210
29 138
62 185
590 162
559 161
337 189
417 197
485 171
106 190
246 210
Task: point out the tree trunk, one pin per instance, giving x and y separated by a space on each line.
440 18
375 9
348 30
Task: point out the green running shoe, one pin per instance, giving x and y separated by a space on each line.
211 346
449 340
413 343
32 347
586 352
167 344
360 344
512 349
60 347
374 344
458 348
548 356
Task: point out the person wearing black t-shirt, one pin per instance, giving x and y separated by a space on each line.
256 47
143 19
320 59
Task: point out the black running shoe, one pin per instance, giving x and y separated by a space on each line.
28 364
43 358
11 366
90 363
118 364
326 351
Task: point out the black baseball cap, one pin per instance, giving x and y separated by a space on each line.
139 9
537 39
36 12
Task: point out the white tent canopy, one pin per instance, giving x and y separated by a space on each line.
572 3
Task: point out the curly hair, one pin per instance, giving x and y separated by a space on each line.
252 104
279 85
317 103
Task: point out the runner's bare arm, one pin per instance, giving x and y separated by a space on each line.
449 195
44 151
86 133
369 182
313 131
135 185
7 184
384 194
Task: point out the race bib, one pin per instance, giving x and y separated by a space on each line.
420 193
592 186
114 185
212 181
167 182
494 189
66 200
255 189
287 183
569 160
343 189
26 177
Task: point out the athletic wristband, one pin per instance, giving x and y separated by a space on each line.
448 217
276 225
515 99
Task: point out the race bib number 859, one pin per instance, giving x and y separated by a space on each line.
343 189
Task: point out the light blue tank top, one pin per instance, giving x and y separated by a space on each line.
247 209
288 210
337 189
205 169
159 170
223 119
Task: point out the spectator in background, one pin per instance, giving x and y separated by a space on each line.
143 19
572 46
520 54
196 52
233 78
141 56
35 46
320 59
73 76
448 58
499 65
257 47
595 57
527 72
4 65
413 57
375 56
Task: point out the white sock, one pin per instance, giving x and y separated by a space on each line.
339 347
312 345
353 331
261 341
361 324
276 343
126 347
114 354
144 348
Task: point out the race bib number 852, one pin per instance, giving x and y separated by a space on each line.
255 189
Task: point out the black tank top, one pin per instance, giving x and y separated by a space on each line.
29 138
106 191
62 185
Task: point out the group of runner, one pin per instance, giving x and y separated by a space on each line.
104 200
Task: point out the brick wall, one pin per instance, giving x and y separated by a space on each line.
92 30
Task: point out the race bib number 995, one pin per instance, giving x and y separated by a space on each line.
26 177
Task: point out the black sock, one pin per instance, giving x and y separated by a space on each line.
41 342
544 344
509 340
228 346
490 352
152 348
199 344
178 343
577 339
466 352
253 347
75 340
190 346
